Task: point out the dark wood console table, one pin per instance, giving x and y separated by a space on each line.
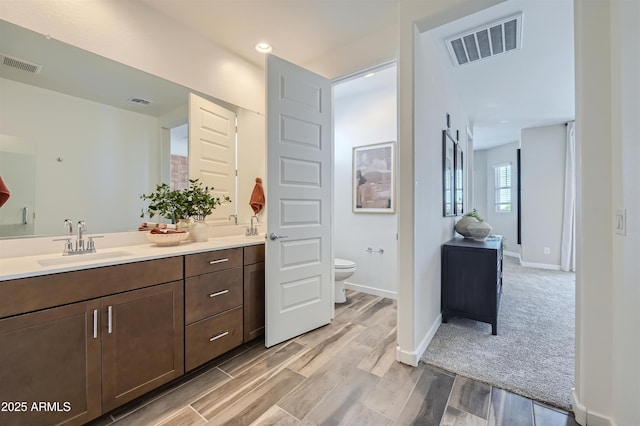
472 280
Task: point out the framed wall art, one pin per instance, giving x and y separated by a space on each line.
374 178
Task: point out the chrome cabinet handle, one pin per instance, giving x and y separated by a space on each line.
213 262
273 236
109 324
95 323
220 293
218 336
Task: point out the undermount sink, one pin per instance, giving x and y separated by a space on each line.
75 258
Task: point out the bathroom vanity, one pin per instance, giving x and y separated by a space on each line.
81 339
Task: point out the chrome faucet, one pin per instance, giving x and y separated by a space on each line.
235 218
253 230
80 242
79 247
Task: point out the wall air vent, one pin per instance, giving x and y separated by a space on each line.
489 40
139 101
20 64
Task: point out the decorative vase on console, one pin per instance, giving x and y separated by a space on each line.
462 225
480 230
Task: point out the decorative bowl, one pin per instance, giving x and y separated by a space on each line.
462 226
166 240
480 230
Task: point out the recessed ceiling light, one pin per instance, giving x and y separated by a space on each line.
263 47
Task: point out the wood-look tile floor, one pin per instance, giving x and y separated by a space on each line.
341 374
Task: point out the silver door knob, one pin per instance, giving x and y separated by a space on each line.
273 236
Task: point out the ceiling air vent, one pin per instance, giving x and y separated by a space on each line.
489 40
139 101
20 64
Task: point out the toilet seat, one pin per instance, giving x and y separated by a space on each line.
343 264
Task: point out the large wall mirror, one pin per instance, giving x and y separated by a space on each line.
82 137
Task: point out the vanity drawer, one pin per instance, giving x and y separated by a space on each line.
212 261
209 338
211 294
254 254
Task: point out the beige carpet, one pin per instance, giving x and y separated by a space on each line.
534 351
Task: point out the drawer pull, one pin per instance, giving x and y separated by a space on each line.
218 336
95 323
213 262
220 293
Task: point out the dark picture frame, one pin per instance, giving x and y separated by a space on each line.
448 174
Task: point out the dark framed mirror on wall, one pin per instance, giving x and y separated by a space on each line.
452 176
448 174
459 181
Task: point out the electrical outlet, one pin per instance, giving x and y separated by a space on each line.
621 221
547 250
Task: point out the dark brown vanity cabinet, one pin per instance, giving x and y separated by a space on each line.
472 280
213 305
254 281
50 356
80 359
142 342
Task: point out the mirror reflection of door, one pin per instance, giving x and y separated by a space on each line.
212 152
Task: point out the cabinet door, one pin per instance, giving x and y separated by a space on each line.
253 301
51 358
142 341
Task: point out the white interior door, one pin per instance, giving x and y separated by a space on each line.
299 267
212 152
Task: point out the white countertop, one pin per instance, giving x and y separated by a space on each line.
30 266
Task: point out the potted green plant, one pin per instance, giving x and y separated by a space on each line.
194 203
198 202
165 202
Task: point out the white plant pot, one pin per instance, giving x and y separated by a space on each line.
199 231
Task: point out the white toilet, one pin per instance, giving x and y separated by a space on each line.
343 269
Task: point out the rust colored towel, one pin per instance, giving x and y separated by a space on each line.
257 197
4 192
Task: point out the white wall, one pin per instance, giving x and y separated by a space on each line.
503 223
364 119
104 150
422 105
543 167
607 292
135 35
479 181
436 96
625 96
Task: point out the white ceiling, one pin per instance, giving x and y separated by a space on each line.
530 87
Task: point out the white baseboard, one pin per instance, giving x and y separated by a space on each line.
531 264
371 290
585 417
511 254
540 265
413 357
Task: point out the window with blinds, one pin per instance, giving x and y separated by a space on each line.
503 187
